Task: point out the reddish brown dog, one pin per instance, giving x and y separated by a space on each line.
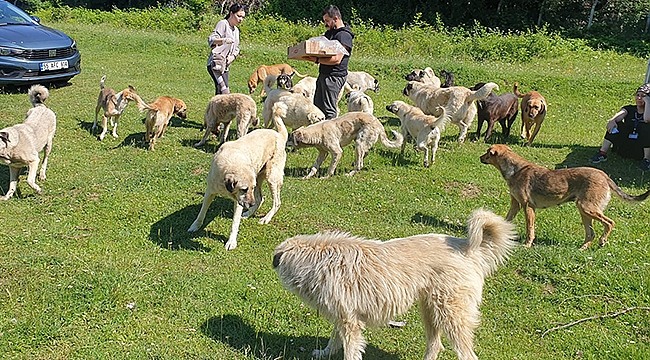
533 112
533 186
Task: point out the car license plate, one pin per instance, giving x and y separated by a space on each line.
54 65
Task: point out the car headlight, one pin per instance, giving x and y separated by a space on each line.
7 51
74 45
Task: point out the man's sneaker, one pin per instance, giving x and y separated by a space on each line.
645 165
598 158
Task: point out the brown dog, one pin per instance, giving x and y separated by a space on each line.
533 186
533 111
159 113
263 71
113 104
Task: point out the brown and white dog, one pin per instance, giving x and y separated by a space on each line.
263 71
20 144
113 105
159 113
536 187
533 112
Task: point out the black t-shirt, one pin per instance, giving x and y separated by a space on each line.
344 35
623 144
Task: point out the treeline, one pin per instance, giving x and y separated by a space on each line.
623 19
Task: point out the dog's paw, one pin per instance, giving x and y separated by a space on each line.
231 244
319 354
198 144
265 220
194 228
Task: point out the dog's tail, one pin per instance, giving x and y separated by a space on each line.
279 112
482 93
627 197
101 82
142 106
296 73
38 94
491 239
515 90
395 144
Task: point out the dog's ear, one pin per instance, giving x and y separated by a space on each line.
230 182
4 136
131 87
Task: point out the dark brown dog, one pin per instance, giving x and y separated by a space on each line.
533 186
533 112
496 108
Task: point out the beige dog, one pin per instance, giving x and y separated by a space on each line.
222 109
20 144
533 112
113 105
306 87
533 186
263 71
354 282
459 102
159 113
300 111
424 129
331 136
426 76
360 101
238 170
360 80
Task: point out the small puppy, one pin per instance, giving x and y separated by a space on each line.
263 71
355 282
426 76
424 129
330 137
238 170
360 80
222 109
20 144
113 105
450 80
533 112
496 108
533 186
159 113
360 101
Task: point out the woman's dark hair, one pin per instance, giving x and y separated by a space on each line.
332 11
235 8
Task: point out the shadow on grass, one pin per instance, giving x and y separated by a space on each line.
432 221
242 337
171 233
135 140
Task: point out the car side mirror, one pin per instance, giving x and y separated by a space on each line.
36 18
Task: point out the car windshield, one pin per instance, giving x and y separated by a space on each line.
11 15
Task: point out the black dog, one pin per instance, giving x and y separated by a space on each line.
449 78
502 108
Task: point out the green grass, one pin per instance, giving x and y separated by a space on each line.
100 265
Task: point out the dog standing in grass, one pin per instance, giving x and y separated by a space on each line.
113 105
222 109
159 113
355 282
20 144
536 187
240 167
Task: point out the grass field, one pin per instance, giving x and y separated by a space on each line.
100 266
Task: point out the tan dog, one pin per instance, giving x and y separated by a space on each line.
20 144
331 136
533 186
426 76
306 87
263 71
354 282
533 112
300 111
360 80
360 101
222 109
159 113
424 129
459 102
238 170
113 105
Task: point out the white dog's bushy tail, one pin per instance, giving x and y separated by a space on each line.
491 239
279 111
483 92
38 94
395 144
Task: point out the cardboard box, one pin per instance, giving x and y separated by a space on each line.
310 48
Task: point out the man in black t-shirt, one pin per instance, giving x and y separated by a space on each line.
333 70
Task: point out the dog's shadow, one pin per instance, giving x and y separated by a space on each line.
233 331
432 221
171 232
135 140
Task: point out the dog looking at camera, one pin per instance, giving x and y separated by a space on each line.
331 136
222 109
21 144
536 187
424 129
238 170
354 282
496 108
159 113
533 112
263 71
113 105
